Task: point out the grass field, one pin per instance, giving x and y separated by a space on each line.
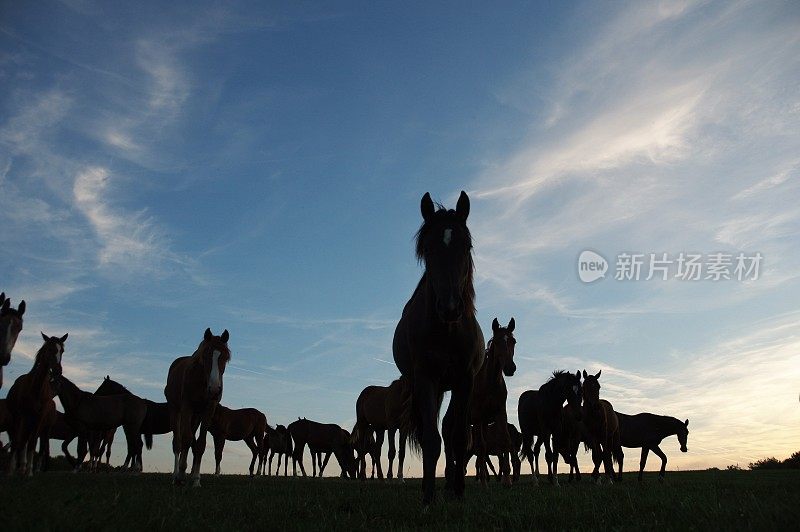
687 500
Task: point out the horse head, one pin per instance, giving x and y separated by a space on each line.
683 435
502 346
10 327
591 388
444 246
213 355
48 358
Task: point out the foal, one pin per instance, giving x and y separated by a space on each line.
10 327
602 425
30 401
246 424
489 396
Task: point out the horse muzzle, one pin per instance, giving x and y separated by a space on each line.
214 393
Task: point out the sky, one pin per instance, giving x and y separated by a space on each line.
258 167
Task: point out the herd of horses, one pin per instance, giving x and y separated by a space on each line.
438 347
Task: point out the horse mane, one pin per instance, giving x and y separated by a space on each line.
36 360
441 213
554 379
114 384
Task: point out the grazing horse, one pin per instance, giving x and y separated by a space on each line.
325 438
277 441
493 440
194 387
379 409
10 327
647 431
246 424
438 344
30 401
489 396
602 426
91 413
540 414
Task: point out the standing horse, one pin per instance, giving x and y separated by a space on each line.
379 409
489 397
647 431
573 433
328 438
438 344
194 387
540 414
30 401
10 327
246 424
277 441
602 425
496 447
87 412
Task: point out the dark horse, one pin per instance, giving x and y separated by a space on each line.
602 426
10 327
540 415
322 438
496 447
489 398
156 420
30 401
194 387
93 413
380 409
247 424
646 431
276 441
438 344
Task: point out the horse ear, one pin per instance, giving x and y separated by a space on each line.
21 308
426 206
462 207
2 297
598 374
686 423
207 335
585 375
511 325
64 338
44 336
225 335
495 325
6 304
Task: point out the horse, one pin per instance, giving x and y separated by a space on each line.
380 409
327 438
30 401
59 429
91 413
647 431
246 424
540 412
489 397
494 446
438 343
277 441
573 433
602 425
10 327
194 387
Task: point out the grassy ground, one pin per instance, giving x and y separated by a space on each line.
687 500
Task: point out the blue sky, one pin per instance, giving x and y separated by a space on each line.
259 167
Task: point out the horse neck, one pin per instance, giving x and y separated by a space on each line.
668 426
69 394
39 376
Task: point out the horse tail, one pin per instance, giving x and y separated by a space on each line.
526 449
360 435
148 440
411 421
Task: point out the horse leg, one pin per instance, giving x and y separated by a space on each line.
197 453
460 400
219 446
323 465
110 440
251 443
401 454
548 458
620 457
425 396
516 466
536 450
505 447
297 456
376 453
392 453
597 458
556 445
658 452
643 461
